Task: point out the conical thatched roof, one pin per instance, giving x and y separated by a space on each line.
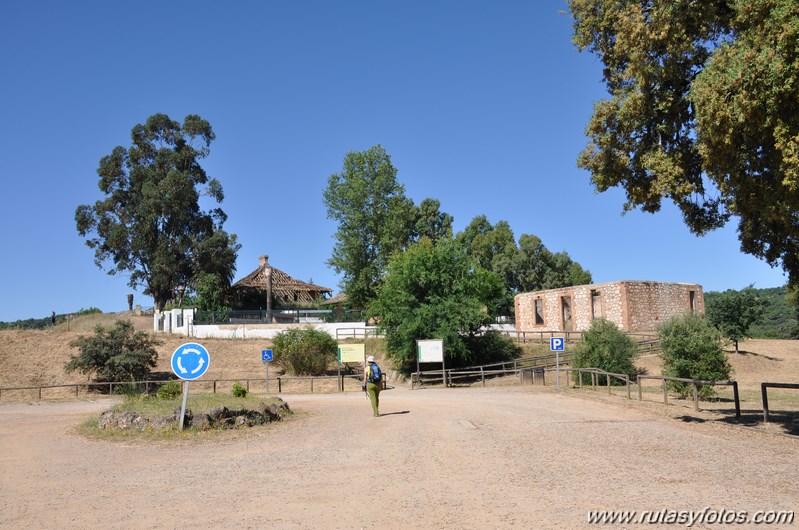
285 289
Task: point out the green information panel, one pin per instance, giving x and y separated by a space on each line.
351 353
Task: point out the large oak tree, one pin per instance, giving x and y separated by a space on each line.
703 111
150 224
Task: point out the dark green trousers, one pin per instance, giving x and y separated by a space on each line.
373 389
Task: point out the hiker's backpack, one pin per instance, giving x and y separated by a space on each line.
374 373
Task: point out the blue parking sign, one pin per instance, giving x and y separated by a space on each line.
266 355
557 344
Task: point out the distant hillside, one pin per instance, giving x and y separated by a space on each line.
47 322
780 319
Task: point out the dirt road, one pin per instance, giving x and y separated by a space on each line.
438 458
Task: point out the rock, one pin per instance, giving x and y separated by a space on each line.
219 418
164 423
273 412
122 421
219 413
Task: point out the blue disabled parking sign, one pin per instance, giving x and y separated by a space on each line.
190 361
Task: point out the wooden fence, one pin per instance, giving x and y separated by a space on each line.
487 370
764 394
282 384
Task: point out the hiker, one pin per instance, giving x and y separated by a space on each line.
372 382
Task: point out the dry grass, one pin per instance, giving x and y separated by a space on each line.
30 358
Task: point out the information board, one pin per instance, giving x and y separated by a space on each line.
430 351
351 353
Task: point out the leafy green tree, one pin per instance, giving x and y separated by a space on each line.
374 218
150 224
606 347
210 293
493 247
435 290
691 348
703 110
304 351
538 268
735 312
530 266
118 353
431 222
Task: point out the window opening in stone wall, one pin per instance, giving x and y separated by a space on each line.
538 311
566 312
692 301
596 304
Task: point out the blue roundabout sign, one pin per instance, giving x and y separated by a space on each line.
190 361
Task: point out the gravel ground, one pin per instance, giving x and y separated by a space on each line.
437 458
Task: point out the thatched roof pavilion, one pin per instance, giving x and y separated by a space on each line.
340 298
277 288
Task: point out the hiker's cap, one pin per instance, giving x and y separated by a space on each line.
370 359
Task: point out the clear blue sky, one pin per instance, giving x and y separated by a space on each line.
481 105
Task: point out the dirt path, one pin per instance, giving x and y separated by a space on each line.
455 458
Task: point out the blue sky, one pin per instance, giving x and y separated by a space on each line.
481 105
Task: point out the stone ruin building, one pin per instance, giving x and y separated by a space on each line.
634 306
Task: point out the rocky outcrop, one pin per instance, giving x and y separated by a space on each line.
219 418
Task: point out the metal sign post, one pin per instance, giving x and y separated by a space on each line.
557 345
266 356
190 361
185 400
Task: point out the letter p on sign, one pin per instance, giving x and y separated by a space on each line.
557 344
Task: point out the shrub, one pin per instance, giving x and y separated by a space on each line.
489 347
304 351
691 348
88 311
606 347
116 354
239 390
169 390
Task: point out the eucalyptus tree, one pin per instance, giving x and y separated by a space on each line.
526 266
150 224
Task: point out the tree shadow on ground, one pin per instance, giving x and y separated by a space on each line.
753 354
779 422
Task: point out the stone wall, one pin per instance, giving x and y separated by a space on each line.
634 306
